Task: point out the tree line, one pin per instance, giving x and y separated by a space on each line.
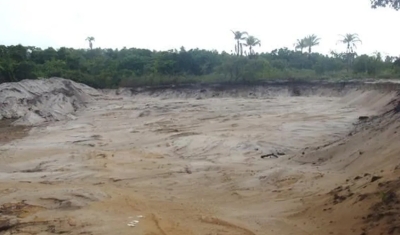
138 67
395 4
106 68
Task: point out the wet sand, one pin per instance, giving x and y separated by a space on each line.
8 132
182 166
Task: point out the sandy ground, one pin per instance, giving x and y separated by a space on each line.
9 132
194 166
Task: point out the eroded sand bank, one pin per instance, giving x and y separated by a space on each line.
184 164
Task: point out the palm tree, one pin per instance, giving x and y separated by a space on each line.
251 42
350 40
311 41
238 37
90 39
300 44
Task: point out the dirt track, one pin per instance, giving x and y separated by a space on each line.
194 166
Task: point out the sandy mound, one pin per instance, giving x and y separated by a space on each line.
36 101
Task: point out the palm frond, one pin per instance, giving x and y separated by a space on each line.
90 39
350 39
239 35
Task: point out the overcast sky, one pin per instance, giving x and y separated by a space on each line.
167 24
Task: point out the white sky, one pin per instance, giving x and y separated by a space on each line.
168 24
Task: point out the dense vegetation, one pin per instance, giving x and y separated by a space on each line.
137 67
395 4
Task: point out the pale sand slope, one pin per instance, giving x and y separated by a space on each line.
32 102
193 166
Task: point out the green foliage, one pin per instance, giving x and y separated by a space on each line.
350 41
239 36
25 69
311 41
251 42
90 40
7 67
371 66
109 68
395 4
300 44
328 65
241 69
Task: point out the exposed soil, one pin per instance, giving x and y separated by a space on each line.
32 102
9 132
174 162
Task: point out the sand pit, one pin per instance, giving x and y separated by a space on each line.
194 161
